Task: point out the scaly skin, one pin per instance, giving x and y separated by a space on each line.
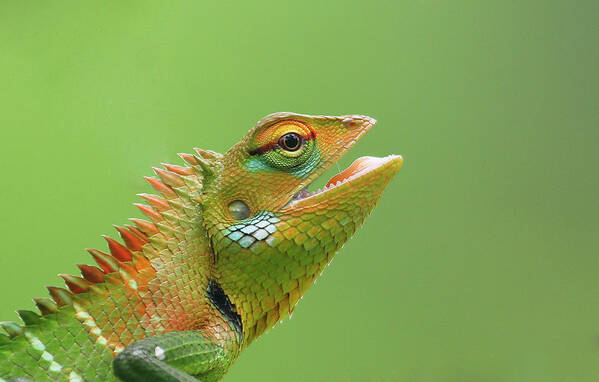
232 244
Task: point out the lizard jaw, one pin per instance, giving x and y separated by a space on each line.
357 176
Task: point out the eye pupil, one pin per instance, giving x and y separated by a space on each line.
290 142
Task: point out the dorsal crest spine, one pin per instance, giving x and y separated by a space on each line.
177 186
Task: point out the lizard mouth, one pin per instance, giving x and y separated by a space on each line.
357 176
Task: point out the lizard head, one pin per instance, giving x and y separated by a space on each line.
270 236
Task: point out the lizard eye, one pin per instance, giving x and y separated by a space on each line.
287 146
290 142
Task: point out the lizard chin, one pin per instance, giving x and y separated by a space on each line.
359 176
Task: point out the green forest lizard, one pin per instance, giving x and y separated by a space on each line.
232 243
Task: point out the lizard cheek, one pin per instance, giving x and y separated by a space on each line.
239 210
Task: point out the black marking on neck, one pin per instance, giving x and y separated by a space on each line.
214 254
220 300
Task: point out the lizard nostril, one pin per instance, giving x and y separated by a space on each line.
352 121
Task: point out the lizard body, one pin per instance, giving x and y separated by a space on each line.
232 243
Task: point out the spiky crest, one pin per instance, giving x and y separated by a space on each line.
142 242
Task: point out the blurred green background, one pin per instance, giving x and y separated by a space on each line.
480 262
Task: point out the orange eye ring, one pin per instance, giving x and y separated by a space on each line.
291 142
